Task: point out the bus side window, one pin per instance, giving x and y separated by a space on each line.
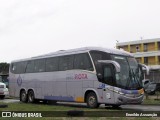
66 62
30 67
82 61
13 67
98 55
51 64
18 67
39 65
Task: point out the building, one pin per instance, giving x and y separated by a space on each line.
146 52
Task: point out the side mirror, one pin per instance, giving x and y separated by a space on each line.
114 63
145 67
100 76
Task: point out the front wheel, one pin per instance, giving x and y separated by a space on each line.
23 96
92 100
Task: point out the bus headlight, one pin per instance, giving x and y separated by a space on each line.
121 93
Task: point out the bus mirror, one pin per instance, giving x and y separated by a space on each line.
114 63
100 76
145 67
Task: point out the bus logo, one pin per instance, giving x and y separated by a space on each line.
81 76
19 81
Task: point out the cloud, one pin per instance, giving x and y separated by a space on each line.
30 28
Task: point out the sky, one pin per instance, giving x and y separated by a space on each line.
34 27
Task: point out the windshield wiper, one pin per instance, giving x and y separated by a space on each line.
133 81
135 78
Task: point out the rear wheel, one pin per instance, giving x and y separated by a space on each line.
23 96
92 100
31 97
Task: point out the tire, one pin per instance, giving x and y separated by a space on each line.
2 96
31 97
23 96
92 100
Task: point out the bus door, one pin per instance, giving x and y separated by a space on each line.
108 89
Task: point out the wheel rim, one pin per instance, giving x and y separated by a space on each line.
31 97
23 96
92 100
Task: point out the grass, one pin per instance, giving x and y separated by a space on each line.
19 106
151 101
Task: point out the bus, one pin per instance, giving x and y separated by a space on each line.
91 75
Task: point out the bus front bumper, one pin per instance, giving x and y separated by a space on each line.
123 99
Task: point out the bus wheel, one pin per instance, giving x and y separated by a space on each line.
2 96
31 98
23 96
92 100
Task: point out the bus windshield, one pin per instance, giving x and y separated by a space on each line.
131 75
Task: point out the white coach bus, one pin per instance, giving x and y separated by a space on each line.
89 75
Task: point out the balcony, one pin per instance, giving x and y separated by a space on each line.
153 65
146 54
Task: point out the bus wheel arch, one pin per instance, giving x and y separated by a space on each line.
91 99
23 95
31 96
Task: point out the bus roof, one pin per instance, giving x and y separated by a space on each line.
79 50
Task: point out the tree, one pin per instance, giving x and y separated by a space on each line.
4 68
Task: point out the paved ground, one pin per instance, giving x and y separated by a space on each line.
9 100
141 107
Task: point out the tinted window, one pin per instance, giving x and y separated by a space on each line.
52 64
108 79
13 67
30 67
98 55
39 65
82 61
18 67
66 62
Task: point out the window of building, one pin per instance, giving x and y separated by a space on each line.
138 60
82 61
145 47
146 60
52 64
66 62
39 65
158 45
132 49
137 48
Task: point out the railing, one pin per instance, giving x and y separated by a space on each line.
152 63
